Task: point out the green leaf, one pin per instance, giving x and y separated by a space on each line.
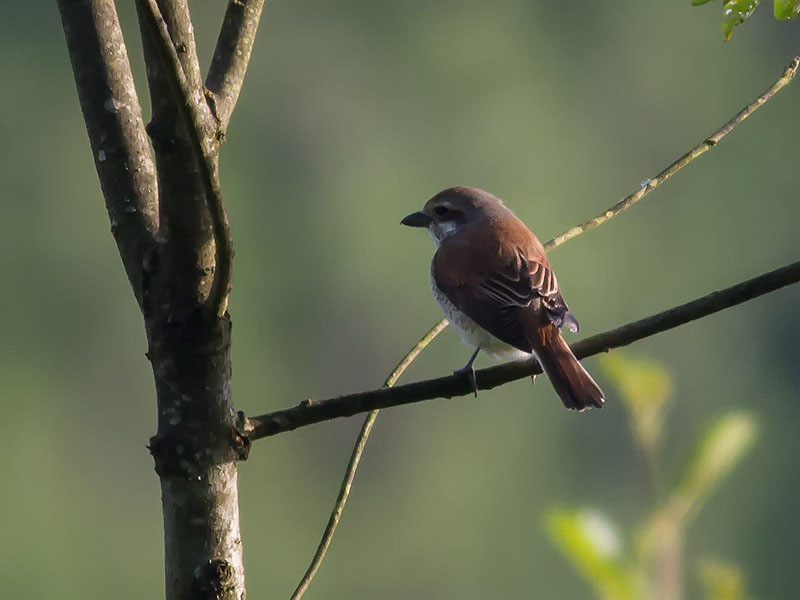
735 13
722 447
699 2
786 9
722 581
593 545
645 386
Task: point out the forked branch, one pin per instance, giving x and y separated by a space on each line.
189 102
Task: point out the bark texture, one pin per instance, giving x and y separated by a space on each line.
195 452
186 266
197 446
231 57
113 117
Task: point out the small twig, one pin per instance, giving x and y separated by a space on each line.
189 103
455 385
355 458
231 57
649 185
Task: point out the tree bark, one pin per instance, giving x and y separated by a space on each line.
113 117
186 267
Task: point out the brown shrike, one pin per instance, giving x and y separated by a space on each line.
492 279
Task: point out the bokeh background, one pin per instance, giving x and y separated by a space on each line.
352 115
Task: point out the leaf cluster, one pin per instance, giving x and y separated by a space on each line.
736 12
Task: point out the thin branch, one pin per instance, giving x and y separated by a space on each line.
116 130
231 57
647 186
191 108
355 458
310 412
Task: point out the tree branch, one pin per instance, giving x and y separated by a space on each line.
231 57
310 412
647 186
191 105
116 130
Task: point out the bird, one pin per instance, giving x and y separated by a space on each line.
491 277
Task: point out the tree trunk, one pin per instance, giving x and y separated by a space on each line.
195 452
159 211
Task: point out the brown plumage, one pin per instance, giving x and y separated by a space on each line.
492 278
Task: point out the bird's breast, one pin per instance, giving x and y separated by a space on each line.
471 333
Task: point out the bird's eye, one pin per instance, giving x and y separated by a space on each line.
441 210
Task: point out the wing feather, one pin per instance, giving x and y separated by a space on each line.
495 288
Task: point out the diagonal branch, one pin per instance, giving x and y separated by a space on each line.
310 412
231 57
191 110
116 130
355 458
647 186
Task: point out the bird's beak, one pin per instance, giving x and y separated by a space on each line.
417 219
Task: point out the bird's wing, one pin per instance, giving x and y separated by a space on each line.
495 285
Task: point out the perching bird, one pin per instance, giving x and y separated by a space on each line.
492 279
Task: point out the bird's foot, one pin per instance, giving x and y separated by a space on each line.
469 371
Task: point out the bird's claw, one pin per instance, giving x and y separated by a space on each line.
469 371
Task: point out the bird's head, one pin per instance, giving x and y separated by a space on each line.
453 209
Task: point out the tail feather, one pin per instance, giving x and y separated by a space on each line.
574 385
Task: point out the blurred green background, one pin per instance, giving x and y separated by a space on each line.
352 115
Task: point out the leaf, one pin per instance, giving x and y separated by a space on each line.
722 447
699 2
593 545
722 581
786 9
645 387
735 13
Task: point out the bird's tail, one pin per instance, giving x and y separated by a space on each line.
572 382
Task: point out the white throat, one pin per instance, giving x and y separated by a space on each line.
441 230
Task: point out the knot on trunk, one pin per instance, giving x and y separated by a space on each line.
213 580
178 453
